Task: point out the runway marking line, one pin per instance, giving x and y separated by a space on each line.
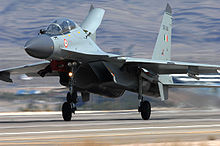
57 143
160 110
110 129
94 136
102 124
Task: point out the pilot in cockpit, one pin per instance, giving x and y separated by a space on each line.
59 26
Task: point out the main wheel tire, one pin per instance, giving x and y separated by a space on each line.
145 109
67 111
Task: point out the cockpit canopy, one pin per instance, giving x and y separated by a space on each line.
60 26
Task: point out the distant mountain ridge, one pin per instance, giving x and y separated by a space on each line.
196 31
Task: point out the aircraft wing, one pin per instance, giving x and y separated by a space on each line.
29 69
170 67
161 72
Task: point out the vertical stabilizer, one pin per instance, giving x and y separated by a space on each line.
162 49
91 8
92 36
93 21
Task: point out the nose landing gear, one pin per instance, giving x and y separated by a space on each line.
69 107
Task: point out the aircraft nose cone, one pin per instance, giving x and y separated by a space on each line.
40 47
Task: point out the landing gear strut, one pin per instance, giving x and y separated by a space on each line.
69 107
144 106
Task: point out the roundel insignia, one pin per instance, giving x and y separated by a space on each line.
65 43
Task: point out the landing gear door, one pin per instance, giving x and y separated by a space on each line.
163 91
163 82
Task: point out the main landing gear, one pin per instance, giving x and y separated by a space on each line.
69 106
144 107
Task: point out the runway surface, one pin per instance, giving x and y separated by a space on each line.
109 127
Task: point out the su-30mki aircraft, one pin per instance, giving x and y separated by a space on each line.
70 52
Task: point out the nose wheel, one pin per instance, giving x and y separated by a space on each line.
69 107
67 111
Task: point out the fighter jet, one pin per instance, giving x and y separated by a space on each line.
70 51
